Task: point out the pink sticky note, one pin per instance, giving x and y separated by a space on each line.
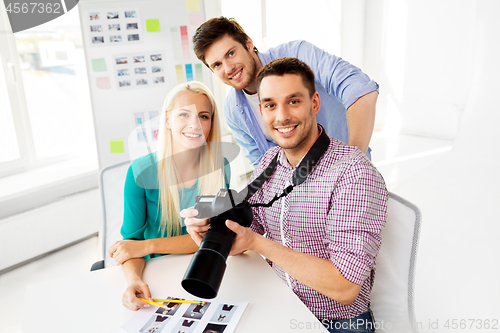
103 83
195 19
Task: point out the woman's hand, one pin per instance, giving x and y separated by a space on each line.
137 288
195 227
124 250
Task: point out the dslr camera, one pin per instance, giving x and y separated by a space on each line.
204 274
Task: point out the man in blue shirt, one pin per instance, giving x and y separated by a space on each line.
348 96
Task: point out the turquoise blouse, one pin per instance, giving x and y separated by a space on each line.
141 211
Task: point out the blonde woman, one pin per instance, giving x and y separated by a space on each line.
159 185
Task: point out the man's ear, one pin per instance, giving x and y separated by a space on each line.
249 44
316 102
260 109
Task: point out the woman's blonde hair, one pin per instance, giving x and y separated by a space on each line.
211 177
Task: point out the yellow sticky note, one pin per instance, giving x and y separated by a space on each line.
152 25
117 146
180 74
193 5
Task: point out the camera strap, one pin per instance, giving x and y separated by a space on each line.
299 176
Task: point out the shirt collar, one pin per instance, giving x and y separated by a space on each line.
283 160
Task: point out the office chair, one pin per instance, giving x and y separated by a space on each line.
392 293
111 184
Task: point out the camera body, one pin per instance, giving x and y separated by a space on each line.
204 274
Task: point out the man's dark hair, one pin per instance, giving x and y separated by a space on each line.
214 30
288 65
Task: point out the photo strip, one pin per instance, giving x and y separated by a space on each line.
140 70
112 27
186 317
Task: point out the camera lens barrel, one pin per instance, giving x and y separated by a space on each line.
206 270
204 275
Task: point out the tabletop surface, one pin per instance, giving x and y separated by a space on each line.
91 302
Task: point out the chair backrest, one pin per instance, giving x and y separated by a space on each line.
111 184
392 293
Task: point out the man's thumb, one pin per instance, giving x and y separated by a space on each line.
233 226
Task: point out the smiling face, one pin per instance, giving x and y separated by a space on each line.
233 64
289 113
189 121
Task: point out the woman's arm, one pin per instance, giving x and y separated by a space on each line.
132 269
125 250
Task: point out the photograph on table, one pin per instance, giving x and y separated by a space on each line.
224 313
214 328
170 307
196 311
185 326
155 324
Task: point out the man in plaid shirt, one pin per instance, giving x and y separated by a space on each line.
322 238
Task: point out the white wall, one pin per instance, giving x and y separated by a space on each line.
420 53
37 231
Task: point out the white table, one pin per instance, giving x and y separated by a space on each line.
91 302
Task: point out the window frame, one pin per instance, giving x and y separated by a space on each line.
9 58
17 101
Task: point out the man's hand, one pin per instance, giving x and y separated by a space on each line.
124 250
136 289
195 227
244 240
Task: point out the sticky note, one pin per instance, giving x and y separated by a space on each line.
103 83
99 65
180 73
176 43
116 146
185 42
192 5
152 25
189 72
198 72
195 19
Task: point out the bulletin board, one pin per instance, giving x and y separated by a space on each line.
136 52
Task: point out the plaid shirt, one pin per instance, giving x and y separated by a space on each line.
337 214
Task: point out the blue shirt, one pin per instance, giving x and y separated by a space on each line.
338 83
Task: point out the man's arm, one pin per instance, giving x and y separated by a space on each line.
361 120
244 140
316 273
